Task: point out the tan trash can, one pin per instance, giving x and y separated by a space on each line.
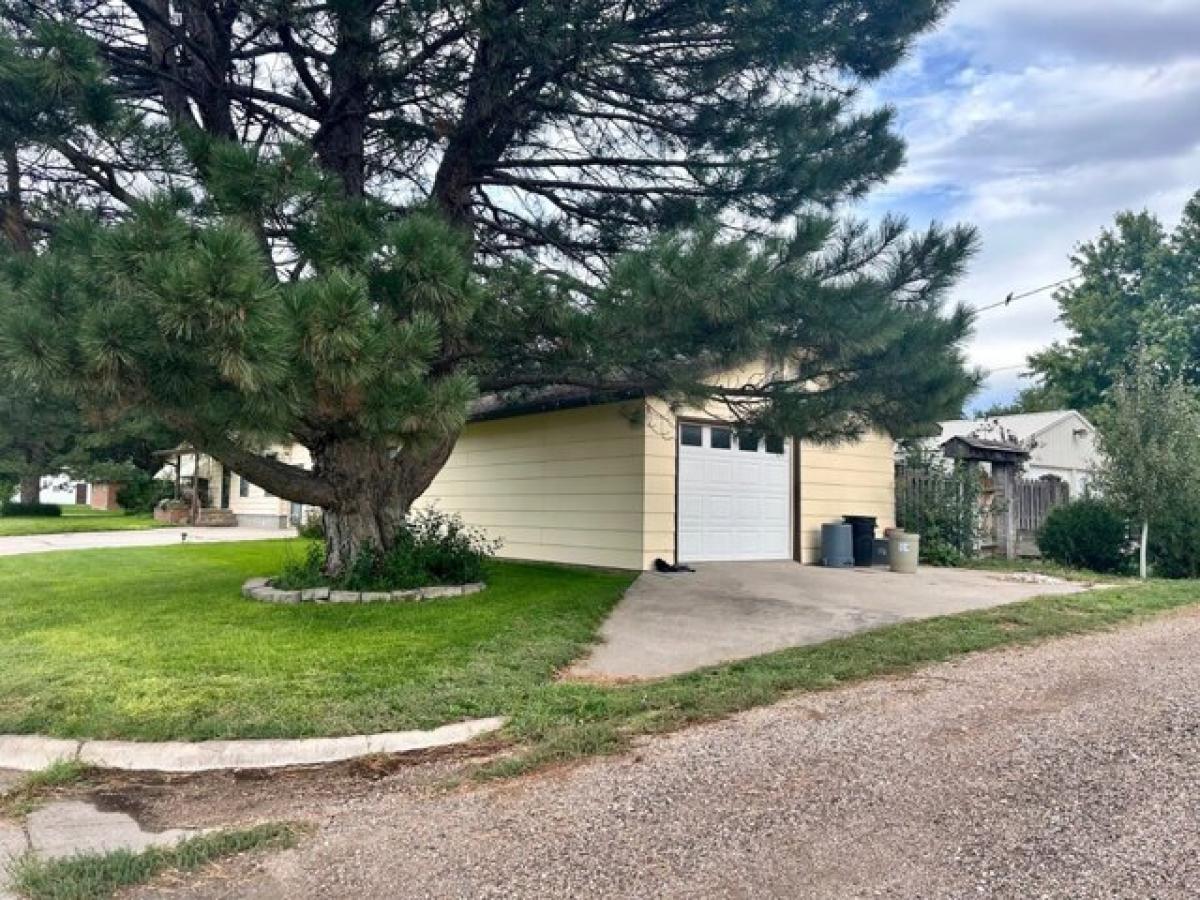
903 552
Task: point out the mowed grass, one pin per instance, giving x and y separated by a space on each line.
94 876
75 519
157 643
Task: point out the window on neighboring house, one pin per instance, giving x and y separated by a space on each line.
243 486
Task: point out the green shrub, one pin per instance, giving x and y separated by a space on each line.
41 510
1174 548
313 526
937 552
939 501
1088 534
140 493
432 547
299 574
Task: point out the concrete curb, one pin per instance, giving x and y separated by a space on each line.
29 752
260 589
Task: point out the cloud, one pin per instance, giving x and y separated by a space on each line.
1118 31
1038 121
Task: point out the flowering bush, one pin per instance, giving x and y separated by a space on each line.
432 547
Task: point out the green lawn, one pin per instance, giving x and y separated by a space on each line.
74 519
96 876
156 643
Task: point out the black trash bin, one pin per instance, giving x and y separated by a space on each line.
863 530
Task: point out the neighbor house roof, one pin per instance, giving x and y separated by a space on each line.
1023 426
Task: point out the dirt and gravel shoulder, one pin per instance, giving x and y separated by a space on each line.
1071 768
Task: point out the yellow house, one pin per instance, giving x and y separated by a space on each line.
623 483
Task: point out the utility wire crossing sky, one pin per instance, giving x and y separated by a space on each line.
1038 122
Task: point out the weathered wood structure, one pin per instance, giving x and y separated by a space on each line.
1005 459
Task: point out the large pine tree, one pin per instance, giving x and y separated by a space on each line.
340 223
51 90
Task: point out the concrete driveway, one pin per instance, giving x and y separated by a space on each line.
668 624
152 537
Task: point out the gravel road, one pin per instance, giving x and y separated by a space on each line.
1070 769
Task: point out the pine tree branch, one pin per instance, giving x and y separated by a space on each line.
276 477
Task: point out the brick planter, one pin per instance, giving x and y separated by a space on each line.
172 515
260 589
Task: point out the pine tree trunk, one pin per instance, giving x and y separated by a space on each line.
1142 549
374 490
366 516
31 489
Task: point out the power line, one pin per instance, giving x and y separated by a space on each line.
1011 297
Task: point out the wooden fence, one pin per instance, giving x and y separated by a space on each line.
943 505
1033 499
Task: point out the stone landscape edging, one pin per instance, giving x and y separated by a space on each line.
260 589
30 752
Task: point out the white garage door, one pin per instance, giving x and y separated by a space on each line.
734 495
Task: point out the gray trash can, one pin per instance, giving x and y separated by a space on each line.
903 552
837 545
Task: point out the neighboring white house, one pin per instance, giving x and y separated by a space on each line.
61 489
1061 443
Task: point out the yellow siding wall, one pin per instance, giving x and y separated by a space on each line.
659 513
854 479
563 486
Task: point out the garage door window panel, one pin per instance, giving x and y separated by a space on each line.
748 441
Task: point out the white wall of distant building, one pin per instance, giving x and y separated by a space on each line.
58 489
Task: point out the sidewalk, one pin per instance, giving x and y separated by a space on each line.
30 752
153 537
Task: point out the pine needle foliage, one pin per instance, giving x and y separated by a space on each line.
424 207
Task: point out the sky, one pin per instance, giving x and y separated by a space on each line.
1037 121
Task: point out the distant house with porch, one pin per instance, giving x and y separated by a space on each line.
208 493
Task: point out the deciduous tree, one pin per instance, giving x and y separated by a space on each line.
1151 458
1138 287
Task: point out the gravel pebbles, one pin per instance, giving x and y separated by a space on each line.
1070 769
